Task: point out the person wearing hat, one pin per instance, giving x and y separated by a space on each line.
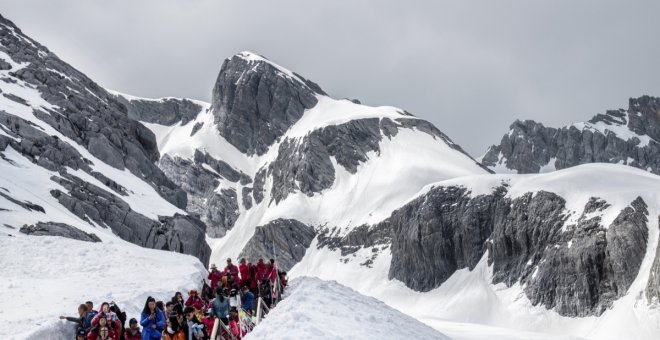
133 331
81 334
215 276
194 300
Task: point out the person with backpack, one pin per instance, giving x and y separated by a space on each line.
265 291
133 331
152 320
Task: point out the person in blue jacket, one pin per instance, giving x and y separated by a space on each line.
152 320
247 298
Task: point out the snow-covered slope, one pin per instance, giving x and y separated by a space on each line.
45 277
316 309
76 168
470 296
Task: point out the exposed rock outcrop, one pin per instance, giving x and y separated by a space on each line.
84 112
286 240
255 102
165 111
629 137
653 286
217 208
58 229
577 269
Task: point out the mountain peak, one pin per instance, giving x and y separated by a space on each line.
255 101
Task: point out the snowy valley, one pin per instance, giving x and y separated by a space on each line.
109 196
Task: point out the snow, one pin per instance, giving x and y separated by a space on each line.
366 197
54 275
329 111
550 167
468 305
500 166
317 309
255 58
620 130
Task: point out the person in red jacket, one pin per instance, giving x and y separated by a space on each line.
244 270
194 300
102 331
133 331
231 269
111 318
215 276
235 324
261 269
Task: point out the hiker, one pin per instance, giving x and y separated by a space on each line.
102 330
260 270
265 291
215 276
112 319
208 320
152 320
254 284
234 298
196 329
133 331
220 306
90 308
231 269
247 299
283 279
235 324
81 334
244 270
169 308
83 320
178 299
174 331
121 316
194 300
272 271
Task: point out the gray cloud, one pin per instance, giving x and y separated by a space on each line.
470 67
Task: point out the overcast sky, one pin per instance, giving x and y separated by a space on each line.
470 67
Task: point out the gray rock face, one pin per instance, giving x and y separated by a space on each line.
530 145
254 103
90 117
90 203
58 229
290 239
86 113
440 232
219 210
167 111
576 269
304 164
377 237
653 286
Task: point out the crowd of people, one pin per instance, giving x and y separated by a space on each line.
229 295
